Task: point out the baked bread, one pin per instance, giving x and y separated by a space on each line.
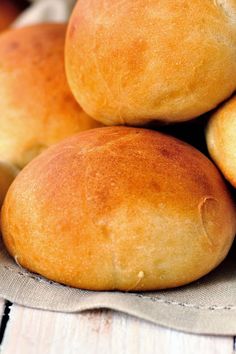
7 175
37 108
9 10
119 208
162 60
221 139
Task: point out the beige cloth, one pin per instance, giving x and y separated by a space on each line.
45 11
207 306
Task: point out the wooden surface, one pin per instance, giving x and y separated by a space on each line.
99 332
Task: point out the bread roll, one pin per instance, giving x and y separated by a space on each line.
7 175
119 208
37 108
9 10
166 60
221 139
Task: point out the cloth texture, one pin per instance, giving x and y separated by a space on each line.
207 306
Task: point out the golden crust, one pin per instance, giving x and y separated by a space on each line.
7 175
37 108
221 139
8 12
119 208
162 60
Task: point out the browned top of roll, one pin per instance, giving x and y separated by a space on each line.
119 208
168 60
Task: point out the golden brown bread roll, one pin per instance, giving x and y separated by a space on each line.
221 139
119 208
37 108
7 175
9 10
161 60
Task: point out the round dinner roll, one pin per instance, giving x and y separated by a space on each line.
9 10
119 209
37 108
221 139
165 60
7 175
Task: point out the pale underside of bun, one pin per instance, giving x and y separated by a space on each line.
119 208
158 60
221 139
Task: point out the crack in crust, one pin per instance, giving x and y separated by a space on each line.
201 206
107 145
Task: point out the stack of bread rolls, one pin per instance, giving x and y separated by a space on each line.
118 207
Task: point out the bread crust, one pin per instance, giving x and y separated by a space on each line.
7 175
37 108
162 60
221 139
8 12
119 208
